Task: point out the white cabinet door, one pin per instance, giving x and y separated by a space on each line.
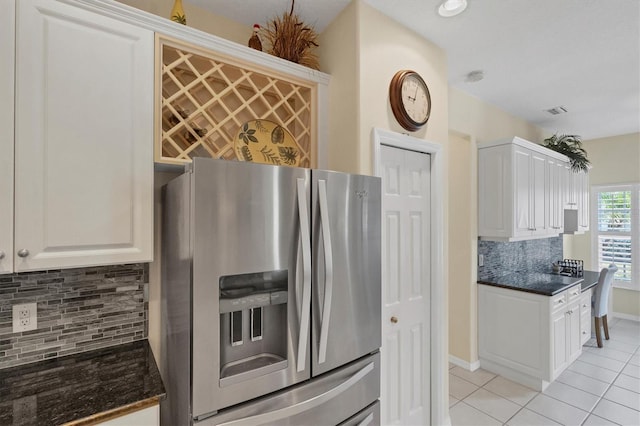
578 220
585 317
7 35
523 194
572 190
84 138
559 341
569 199
539 193
574 341
583 201
555 210
494 192
530 171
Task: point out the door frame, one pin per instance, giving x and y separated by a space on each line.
439 309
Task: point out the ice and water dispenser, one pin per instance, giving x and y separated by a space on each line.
253 325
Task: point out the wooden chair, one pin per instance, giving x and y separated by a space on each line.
601 301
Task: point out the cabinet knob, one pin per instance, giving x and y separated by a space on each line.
394 320
23 252
1 255
584 332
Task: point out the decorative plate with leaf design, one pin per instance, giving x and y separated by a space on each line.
263 141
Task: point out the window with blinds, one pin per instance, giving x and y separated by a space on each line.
617 232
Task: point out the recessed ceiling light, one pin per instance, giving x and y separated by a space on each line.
474 76
450 8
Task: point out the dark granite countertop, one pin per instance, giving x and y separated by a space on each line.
82 388
545 284
533 282
590 279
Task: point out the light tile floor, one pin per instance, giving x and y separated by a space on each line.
602 387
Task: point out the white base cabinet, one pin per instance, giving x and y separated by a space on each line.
83 140
527 337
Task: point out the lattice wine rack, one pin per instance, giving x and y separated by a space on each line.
205 100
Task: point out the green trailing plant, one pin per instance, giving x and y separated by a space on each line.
571 146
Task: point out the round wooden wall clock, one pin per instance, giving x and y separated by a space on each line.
410 99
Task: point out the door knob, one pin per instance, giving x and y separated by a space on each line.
1 255
394 320
23 252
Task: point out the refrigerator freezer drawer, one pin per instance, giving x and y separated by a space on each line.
330 399
370 416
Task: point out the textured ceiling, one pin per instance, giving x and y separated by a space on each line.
580 54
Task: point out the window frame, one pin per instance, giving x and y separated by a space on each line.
634 283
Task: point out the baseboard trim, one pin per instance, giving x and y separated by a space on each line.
471 366
514 375
621 316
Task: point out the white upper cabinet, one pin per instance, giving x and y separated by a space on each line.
576 215
83 138
530 172
556 205
583 201
520 191
7 35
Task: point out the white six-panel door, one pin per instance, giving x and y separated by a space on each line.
406 286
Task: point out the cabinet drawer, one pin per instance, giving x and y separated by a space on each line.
559 301
585 328
574 293
585 301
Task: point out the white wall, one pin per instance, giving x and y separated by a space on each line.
385 48
197 18
469 115
338 55
614 160
362 65
470 121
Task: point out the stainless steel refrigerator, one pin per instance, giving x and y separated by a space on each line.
270 296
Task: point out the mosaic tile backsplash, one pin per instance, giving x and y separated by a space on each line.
78 310
518 256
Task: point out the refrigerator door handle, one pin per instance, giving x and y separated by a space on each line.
328 276
303 336
316 401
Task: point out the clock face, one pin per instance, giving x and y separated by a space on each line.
415 98
410 100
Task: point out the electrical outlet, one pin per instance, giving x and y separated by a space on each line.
25 317
480 260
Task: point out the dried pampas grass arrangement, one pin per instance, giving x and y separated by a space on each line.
292 40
